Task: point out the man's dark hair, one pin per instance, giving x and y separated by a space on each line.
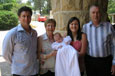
24 8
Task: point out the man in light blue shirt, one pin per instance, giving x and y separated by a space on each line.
20 46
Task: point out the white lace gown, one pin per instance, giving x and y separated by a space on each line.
66 59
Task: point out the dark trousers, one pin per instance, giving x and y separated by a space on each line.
82 73
98 66
20 75
49 73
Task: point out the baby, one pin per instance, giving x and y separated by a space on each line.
66 58
60 41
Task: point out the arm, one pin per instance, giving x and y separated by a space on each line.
113 53
39 46
56 46
113 48
47 56
8 47
53 53
84 45
84 29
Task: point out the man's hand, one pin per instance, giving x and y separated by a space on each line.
113 70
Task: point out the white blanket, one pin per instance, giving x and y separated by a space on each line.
67 62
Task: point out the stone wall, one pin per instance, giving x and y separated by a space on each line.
63 10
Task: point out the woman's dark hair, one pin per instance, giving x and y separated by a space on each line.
24 8
79 33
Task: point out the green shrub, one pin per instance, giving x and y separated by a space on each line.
1 7
8 20
7 6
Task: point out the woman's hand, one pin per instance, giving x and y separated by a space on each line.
81 53
45 57
42 57
54 53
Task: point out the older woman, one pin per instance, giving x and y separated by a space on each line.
79 41
47 54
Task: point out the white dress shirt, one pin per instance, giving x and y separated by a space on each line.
20 50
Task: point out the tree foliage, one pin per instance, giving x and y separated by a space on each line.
17 6
47 7
8 13
111 6
38 5
6 1
7 6
44 6
8 20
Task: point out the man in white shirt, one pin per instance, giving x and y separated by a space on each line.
20 46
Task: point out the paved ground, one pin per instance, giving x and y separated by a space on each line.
4 66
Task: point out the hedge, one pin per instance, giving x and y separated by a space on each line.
1 7
8 20
6 6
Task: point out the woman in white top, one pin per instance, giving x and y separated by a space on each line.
47 54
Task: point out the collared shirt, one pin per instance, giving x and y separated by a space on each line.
101 40
48 64
20 50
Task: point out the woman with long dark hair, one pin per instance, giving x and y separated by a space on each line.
79 40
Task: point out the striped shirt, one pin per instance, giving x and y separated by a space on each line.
101 39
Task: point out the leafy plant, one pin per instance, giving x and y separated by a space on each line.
8 20
111 6
7 6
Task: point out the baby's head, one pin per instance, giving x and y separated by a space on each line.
57 37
